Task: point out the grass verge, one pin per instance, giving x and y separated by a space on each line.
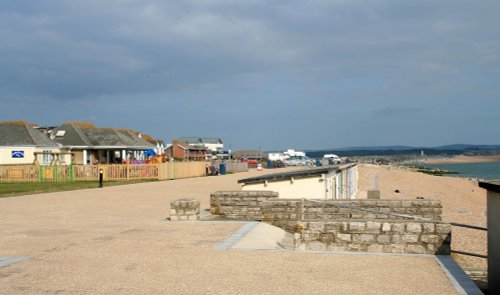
28 188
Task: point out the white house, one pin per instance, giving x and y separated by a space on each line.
20 143
332 182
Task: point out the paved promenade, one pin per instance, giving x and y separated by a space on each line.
116 241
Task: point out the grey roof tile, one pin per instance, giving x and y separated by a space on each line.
22 134
85 136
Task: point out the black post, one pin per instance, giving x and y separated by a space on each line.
100 177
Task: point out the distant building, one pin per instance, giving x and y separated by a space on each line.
212 144
332 182
182 150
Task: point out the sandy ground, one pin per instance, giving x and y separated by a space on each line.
464 159
116 241
463 202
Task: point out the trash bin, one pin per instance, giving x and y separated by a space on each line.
269 164
222 168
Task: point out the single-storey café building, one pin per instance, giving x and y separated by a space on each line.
332 182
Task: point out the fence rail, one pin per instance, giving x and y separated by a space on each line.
60 173
470 227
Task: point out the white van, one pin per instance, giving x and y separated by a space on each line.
334 158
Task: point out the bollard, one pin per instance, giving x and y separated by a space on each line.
100 177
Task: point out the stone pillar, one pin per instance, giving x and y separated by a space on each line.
184 209
299 227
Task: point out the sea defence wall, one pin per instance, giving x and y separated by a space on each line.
394 226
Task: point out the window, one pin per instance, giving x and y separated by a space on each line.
47 157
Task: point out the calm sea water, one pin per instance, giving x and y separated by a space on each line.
487 171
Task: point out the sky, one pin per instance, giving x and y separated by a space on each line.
259 74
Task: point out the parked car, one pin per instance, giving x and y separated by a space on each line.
332 159
299 161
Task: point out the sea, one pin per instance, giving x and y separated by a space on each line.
484 171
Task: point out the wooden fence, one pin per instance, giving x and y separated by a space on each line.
163 171
232 167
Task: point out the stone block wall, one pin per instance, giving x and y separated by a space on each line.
382 236
283 212
429 209
265 205
184 210
383 226
240 205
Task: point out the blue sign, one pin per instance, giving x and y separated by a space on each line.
17 154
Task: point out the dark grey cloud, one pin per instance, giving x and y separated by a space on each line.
274 74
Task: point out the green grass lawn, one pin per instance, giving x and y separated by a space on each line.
18 189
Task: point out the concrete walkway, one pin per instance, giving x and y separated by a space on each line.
116 241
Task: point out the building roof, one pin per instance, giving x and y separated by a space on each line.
306 173
76 134
20 133
212 140
185 145
249 154
491 185
201 140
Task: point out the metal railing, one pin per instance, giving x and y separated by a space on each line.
470 227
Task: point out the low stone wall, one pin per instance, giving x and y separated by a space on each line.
429 209
382 236
265 206
240 205
284 212
385 226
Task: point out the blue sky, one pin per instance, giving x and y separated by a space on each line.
269 74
